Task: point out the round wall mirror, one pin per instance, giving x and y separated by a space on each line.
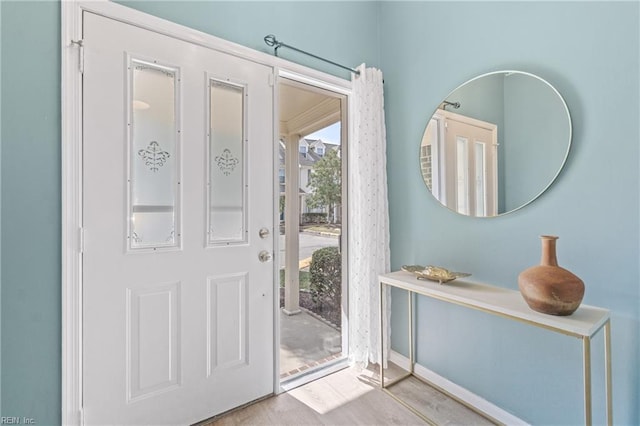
495 144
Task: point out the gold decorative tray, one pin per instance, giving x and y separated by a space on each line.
433 273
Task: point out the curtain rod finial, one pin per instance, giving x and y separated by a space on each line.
270 40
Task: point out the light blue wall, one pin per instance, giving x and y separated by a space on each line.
536 138
590 52
344 32
30 199
30 164
482 98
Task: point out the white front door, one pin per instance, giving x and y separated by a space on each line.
470 165
178 306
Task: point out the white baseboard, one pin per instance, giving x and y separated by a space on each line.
399 360
480 404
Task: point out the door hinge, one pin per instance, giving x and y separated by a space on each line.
81 240
81 417
80 45
271 79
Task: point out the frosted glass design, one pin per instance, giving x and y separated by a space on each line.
153 156
462 175
481 195
227 171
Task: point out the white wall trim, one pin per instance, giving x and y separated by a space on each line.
312 77
0 222
71 151
71 91
480 404
342 88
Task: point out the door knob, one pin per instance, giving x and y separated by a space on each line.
263 233
264 256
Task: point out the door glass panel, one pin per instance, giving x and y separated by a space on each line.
227 190
462 175
481 195
153 156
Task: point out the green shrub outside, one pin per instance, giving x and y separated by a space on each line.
326 275
314 218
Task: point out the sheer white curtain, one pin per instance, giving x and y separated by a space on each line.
368 219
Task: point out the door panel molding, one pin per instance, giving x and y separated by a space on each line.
226 293
156 304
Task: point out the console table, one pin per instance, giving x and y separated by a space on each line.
583 324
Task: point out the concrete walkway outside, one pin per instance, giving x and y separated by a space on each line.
306 342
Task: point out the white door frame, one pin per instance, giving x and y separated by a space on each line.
71 108
345 133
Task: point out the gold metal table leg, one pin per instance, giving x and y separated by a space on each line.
410 310
586 356
380 315
607 366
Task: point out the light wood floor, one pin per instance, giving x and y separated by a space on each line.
352 397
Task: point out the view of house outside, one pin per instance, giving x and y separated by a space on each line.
319 254
320 217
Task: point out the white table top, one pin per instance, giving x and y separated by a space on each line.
584 322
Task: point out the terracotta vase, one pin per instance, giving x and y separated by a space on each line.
548 288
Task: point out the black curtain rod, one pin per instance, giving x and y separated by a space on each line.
271 40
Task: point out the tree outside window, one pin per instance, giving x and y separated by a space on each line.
326 184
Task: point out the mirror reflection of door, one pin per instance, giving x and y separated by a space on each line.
459 161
